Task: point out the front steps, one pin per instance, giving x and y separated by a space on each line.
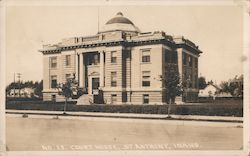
85 99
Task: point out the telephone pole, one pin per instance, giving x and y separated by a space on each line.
19 83
14 84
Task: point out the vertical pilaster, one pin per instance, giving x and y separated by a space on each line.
179 99
101 69
180 63
193 72
81 71
76 68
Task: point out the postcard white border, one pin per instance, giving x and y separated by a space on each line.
240 3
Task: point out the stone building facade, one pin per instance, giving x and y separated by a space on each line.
121 64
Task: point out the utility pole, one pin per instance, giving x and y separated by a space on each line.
14 84
19 83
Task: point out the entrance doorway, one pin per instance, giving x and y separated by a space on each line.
95 84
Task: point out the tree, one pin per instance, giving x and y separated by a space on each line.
211 82
202 82
236 86
172 85
67 90
224 87
38 88
233 86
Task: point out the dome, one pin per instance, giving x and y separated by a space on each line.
119 23
119 19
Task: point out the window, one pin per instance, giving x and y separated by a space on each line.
113 79
171 57
174 57
113 98
96 59
68 59
190 80
53 81
124 97
53 62
113 56
145 55
184 57
145 98
145 78
196 63
95 83
167 56
190 60
92 58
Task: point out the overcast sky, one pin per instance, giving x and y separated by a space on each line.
217 30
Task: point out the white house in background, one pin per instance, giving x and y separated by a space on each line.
213 91
209 91
24 92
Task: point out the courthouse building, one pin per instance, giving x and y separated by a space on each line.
121 64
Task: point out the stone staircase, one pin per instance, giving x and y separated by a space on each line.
85 99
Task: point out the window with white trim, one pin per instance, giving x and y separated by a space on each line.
113 57
196 63
145 98
53 83
145 78
190 61
53 62
145 55
113 79
68 60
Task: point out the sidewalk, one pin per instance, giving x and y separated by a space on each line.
131 115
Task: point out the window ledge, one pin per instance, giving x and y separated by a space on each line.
146 63
53 68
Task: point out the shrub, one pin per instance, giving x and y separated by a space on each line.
210 109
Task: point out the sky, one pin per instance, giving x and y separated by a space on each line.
217 30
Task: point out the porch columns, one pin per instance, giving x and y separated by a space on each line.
82 72
180 62
77 68
101 69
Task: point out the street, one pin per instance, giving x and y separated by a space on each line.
99 133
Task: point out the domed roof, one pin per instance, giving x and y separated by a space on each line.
119 19
119 23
